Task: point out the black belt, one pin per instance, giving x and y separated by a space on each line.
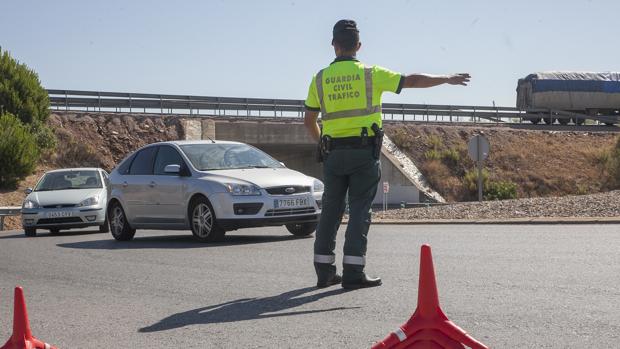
351 142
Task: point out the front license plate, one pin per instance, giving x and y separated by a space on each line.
292 202
59 214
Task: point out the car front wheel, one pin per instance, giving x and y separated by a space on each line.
119 227
203 222
301 229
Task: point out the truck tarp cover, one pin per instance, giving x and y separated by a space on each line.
575 81
577 91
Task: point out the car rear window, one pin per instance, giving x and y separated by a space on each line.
123 168
143 162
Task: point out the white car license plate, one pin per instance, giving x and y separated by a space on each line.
292 202
59 214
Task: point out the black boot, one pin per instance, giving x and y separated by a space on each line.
326 275
326 282
362 282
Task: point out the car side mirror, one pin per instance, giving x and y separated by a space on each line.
172 169
281 163
28 191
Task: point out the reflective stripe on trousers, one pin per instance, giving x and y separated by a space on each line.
354 260
324 259
370 109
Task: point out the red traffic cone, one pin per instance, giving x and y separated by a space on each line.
428 327
22 336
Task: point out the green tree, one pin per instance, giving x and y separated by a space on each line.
18 151
21 93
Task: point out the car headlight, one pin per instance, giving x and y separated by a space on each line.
30 204
318 185
91 201
242 189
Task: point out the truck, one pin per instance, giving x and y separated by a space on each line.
570 97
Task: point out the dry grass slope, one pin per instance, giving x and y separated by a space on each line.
539 163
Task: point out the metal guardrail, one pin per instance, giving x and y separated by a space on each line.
231 106
98 101
8 211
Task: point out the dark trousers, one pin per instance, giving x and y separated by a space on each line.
357 172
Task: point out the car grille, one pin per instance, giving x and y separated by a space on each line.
60 206
282 190
289 211
60 220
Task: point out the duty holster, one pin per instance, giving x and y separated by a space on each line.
378 140
324 147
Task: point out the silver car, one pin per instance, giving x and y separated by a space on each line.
209 187
66 198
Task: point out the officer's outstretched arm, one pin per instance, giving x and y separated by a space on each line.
310 119
426 80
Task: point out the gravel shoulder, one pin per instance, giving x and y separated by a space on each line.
602 206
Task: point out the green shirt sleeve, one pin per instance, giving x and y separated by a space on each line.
312 101
386 80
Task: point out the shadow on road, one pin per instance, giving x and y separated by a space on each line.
247 309
175 242
47 234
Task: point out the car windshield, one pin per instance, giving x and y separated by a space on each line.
69 180
218 156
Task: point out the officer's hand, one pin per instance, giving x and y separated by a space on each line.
459 79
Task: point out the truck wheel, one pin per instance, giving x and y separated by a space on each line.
119 226
203 223
30 232
535 121
301 229
54 231
578 121
563 121
549 121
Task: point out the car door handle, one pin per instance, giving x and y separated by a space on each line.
124 184
152 184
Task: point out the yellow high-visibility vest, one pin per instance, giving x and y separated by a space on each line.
348 94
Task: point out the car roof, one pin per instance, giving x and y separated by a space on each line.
193 142
76 169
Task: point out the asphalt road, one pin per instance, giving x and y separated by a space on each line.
542 286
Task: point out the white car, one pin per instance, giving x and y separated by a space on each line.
209 187
66 198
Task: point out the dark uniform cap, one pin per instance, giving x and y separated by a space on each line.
345 25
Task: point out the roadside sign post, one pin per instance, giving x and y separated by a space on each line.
478 149
386 190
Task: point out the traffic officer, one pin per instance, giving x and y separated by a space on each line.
348 95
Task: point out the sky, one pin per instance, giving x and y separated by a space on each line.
271 49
